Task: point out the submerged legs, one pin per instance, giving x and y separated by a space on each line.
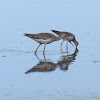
67 46
43 50
61 45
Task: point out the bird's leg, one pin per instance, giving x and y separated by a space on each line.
44 57
67 46
37 48
44 53
61 45
37 57
44 49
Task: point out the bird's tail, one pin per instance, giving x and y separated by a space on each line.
57 32
54 31
28 35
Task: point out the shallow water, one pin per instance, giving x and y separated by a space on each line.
60 75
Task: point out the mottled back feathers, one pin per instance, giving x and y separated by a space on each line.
61 32
43 36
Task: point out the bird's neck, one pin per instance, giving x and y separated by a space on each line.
74 40
76 43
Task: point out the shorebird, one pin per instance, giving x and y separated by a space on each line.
43 38
66 36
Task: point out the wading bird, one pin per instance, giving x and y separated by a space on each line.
66 36
43 38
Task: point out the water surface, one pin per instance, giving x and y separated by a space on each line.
60 76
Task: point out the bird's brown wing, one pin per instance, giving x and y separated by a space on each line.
40 36
61 32
44 36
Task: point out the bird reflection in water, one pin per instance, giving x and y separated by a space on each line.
66 60
48 66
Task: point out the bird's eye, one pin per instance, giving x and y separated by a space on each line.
65 35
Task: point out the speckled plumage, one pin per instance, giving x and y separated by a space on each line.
43 36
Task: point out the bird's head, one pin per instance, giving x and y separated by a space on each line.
63 36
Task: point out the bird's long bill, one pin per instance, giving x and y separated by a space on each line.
71 43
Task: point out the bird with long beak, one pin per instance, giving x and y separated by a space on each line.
66 36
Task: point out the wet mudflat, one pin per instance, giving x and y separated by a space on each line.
61 75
